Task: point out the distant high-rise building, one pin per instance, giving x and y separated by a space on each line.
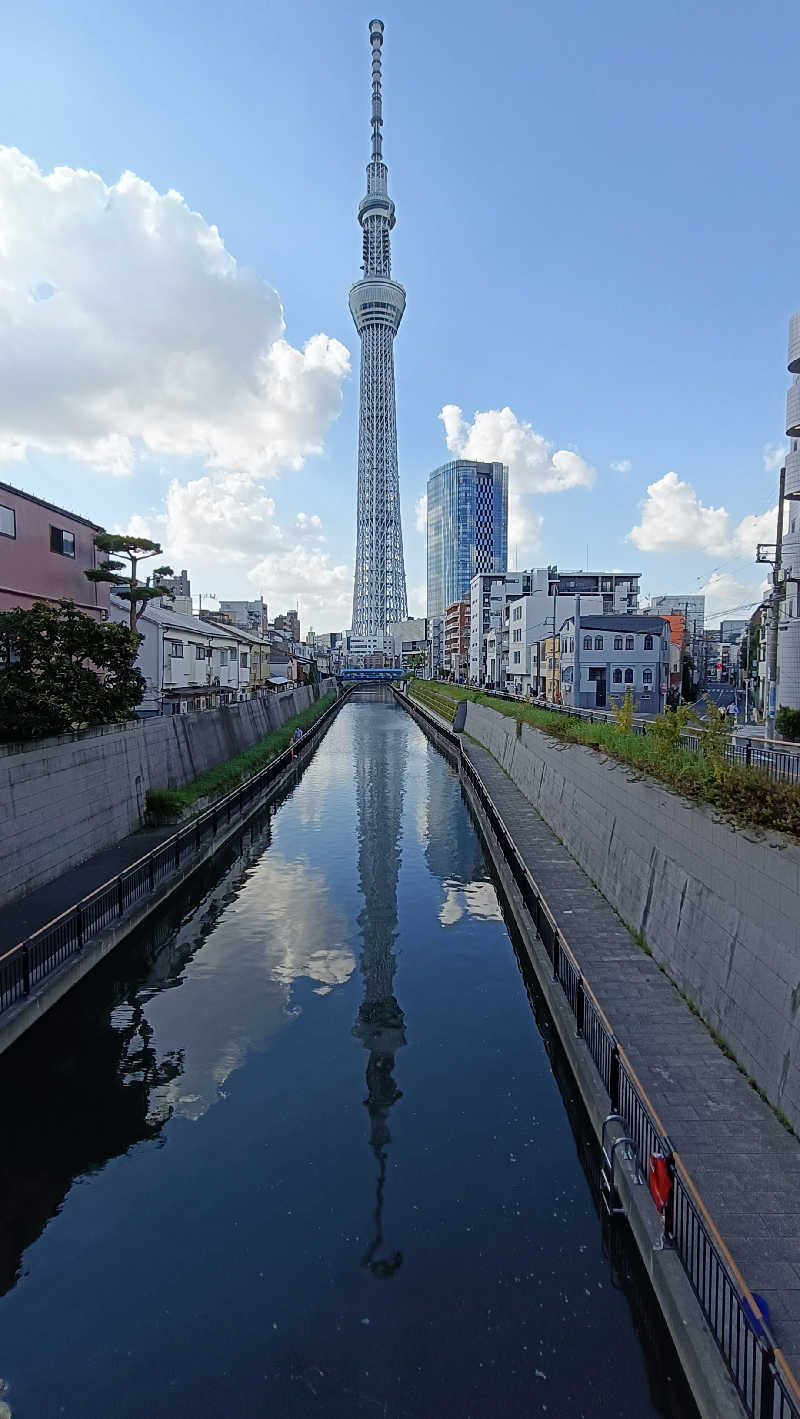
788 688
178 585
467 528
290 622
247 615
693 609
377 304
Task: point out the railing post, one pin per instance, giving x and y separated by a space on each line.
151 873
767 1387
120 896
613 1077
79 925
580 1007
26 970
556 954
177 851
748 751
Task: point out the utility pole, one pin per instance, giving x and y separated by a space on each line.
764 553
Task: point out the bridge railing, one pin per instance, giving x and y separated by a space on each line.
766 1385
32 960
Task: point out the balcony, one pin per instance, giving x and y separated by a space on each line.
793 412
794 344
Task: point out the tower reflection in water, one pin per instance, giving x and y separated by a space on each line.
380 748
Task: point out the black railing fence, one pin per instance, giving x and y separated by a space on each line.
751 752
29 962
765 1383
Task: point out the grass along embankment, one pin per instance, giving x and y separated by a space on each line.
167 803
744 795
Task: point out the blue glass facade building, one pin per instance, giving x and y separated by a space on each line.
467 528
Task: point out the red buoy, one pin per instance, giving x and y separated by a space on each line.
660 1181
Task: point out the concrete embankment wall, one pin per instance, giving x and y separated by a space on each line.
63 799
718 906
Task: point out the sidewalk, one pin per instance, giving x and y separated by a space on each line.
745 1165
21 918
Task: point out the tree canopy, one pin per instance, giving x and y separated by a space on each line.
61 670
128 587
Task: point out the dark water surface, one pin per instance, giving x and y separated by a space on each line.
301 1149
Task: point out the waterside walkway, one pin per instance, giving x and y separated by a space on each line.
745 1165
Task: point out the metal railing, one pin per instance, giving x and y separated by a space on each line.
35 958
765 1383
750 752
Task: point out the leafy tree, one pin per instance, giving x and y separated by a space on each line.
667 728
136 550
61 670
787 724
688 687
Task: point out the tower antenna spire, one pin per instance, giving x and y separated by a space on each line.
376 40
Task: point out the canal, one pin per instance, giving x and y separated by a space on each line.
305 1146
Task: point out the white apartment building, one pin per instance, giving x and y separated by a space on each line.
188 664
602 657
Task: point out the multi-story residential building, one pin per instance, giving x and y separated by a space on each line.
250 615
456 639
406 642
179 584
289 622
258 658
546 669
467 528
44 552
487 598
693 609
188 664
602 657
552 597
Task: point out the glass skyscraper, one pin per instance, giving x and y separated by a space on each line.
467 528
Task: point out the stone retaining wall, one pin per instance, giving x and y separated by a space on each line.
718 906
63 799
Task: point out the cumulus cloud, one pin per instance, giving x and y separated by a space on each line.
421 514
497 435
127 327
729 597
673 518
774 455
623 465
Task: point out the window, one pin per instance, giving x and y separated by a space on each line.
234 654
223 658
629 642
243 659
598 642
587 642
62 542
628 677
8 522
648 642
647 676
516 657
618 642
199 653
175 649
617 676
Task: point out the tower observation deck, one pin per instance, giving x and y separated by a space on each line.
377 304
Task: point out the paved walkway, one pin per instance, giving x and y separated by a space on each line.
22 918
744 1163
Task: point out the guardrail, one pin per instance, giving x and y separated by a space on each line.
765 1383
35 958
751 752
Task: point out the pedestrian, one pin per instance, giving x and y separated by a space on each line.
296 739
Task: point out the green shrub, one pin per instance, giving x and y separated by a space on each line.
787 723
164 804
623 713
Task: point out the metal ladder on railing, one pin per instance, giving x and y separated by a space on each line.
608 1188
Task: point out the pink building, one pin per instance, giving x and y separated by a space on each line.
44 552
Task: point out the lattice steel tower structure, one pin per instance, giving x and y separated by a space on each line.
377 304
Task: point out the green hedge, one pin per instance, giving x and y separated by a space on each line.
742 794
166 803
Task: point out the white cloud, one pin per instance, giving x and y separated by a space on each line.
127 327
497 435
774 456
674 519
728 597
623 465
421 514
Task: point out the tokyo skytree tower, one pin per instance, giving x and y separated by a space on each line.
377 304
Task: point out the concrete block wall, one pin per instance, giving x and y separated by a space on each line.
718 906
63 799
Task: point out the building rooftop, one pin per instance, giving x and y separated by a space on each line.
52 507
623 622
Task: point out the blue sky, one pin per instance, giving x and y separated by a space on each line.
596 228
